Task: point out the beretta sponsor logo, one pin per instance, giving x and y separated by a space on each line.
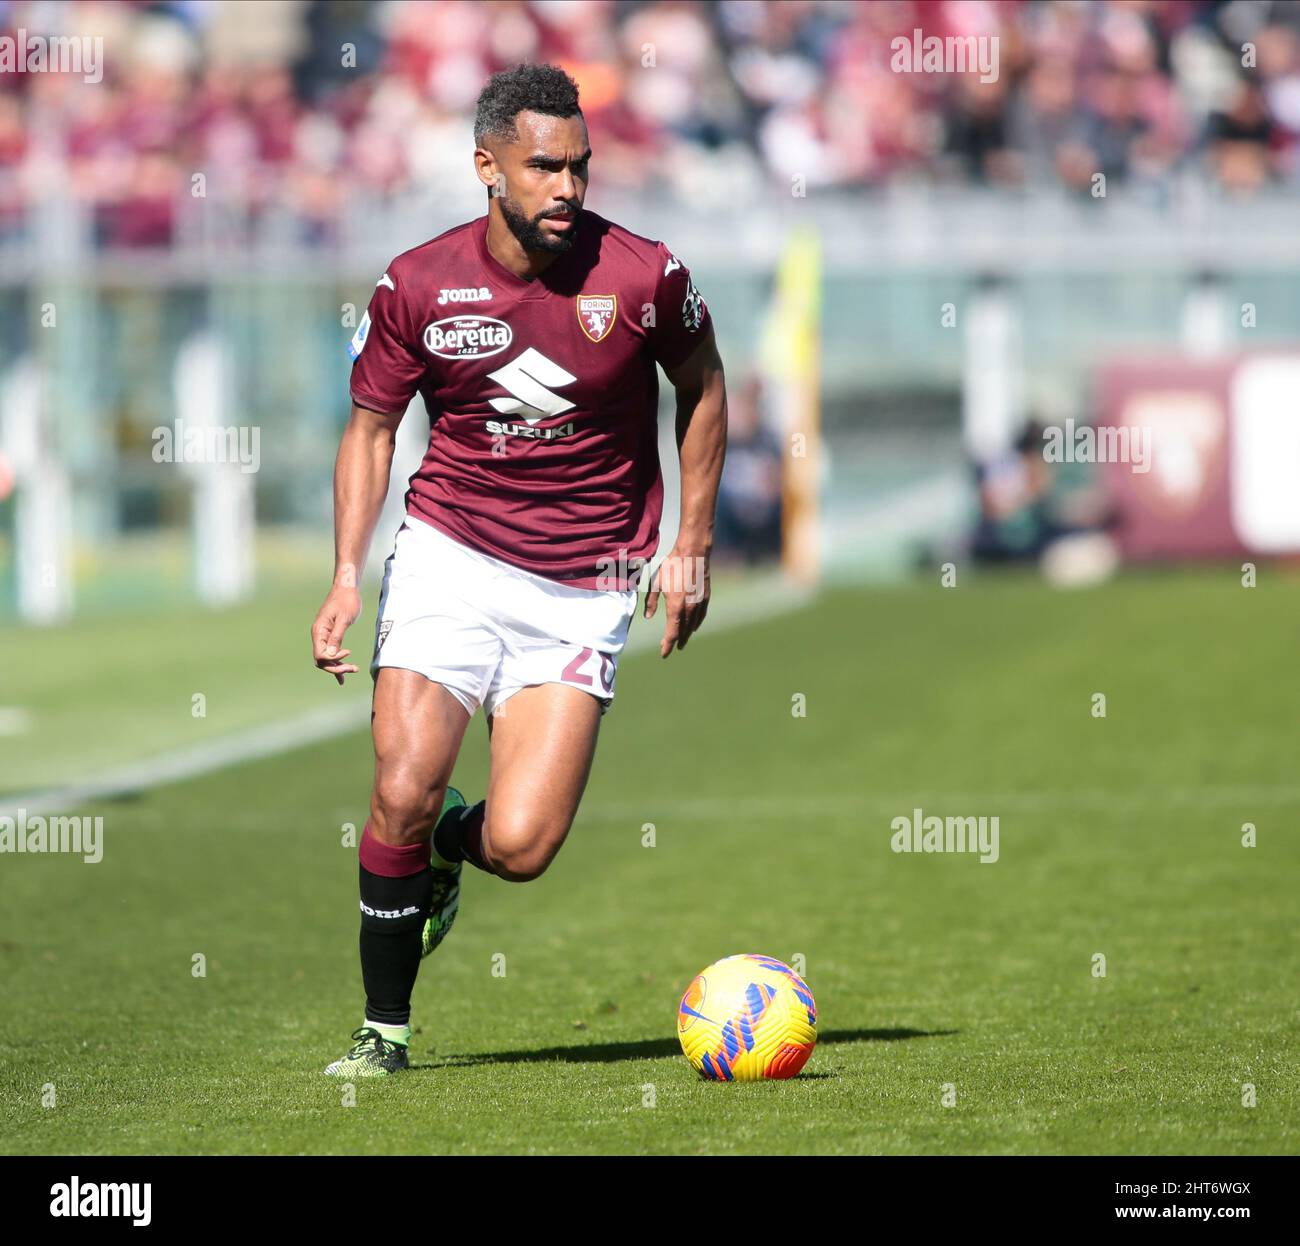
460 337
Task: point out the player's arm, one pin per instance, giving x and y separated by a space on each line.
683 577
360 485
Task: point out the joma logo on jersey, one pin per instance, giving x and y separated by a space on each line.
473 295
461 337
596 314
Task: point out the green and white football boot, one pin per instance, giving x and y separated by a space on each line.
371 1055
446 889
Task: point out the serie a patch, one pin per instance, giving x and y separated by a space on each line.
358 343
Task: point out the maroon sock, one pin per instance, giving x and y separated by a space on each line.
392 862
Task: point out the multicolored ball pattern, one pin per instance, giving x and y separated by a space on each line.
746 1018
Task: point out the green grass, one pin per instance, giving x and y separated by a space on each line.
117 685
1119 836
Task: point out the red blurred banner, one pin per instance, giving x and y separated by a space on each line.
1215 465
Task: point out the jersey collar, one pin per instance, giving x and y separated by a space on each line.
538 287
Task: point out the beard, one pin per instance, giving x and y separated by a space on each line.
528 230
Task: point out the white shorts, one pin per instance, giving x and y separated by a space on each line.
485 629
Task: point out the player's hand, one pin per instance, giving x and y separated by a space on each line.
339 612
683 581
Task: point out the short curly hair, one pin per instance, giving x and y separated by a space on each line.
545 89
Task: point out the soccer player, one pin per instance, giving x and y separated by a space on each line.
532 334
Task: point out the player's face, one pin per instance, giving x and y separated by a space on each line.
545 180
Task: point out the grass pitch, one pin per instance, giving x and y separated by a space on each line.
960 1007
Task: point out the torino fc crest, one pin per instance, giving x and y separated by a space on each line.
596 314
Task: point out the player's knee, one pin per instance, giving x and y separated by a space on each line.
405 809
520 867
519 849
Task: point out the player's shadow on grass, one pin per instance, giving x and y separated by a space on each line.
648 1049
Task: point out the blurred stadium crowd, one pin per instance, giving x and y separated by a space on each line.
690 100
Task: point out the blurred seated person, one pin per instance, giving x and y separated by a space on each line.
748 525
1026 506
1240 141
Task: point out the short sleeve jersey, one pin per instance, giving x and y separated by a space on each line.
542 394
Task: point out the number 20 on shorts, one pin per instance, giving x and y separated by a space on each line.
573 673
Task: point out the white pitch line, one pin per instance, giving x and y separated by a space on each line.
199 759
760 602
14 720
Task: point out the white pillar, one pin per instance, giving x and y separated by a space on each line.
1206 327
992 388
223 522
43 504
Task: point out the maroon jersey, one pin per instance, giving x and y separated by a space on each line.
542 395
